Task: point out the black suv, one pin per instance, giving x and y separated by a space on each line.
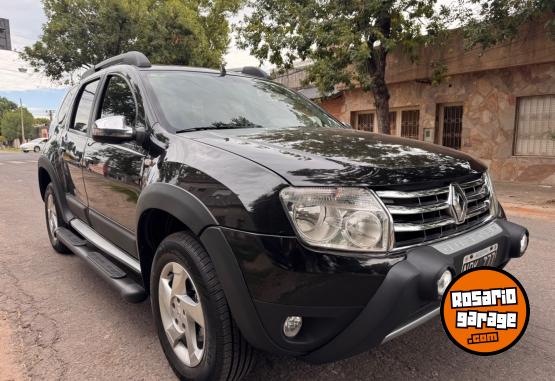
253 218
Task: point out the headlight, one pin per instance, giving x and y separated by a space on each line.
351 219
494 204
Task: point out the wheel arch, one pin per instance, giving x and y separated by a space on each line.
168 208
47 175
163 209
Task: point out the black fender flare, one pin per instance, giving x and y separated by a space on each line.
45 164
178 202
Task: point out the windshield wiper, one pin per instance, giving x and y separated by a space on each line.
220 126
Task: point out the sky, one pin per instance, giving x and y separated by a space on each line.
37 93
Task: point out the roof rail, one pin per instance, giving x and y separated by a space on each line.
252 71
133 58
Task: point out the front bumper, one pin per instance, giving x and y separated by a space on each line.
350 305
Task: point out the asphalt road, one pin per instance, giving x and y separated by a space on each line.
60 321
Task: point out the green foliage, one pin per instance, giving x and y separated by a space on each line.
6 105
41 121
347 42
80 33
489 22
10 124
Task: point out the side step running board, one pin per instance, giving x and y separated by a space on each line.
129 289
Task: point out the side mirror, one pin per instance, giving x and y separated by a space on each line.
112 129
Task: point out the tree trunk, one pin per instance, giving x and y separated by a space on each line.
381 100
376 67
376 70
379 88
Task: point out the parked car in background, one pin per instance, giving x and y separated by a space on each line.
34 145
253 218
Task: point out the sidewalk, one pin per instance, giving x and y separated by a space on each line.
527 200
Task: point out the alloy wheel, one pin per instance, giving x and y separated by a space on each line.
181 313
51 215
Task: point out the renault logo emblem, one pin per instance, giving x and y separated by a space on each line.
458 204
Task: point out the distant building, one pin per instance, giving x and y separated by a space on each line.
42 130
497 105
5 39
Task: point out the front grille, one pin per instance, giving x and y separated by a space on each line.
422 215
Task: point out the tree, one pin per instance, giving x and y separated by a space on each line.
347 42
10 124
41 121
6 105
490 22
81 33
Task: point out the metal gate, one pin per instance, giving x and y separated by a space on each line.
452 126
535 133
409 123
365 122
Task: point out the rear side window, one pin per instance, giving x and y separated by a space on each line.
118 100
81 119
60 118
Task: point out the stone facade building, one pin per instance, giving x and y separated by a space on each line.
496 104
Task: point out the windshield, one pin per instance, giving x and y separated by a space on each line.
193 100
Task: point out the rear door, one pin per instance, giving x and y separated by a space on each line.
72 146
113 172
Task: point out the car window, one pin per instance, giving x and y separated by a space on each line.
60 117
118 100
193 100
81 119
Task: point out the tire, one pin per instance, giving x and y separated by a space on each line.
53 219
36 149
226 355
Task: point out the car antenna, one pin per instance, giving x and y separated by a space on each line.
222 70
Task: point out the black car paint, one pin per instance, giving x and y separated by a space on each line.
224 185
344 157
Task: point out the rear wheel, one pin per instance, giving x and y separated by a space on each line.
53 219
195 327
36 149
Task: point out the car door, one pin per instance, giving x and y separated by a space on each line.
113 171
72 147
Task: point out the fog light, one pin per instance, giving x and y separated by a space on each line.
292 325
443 282
523 243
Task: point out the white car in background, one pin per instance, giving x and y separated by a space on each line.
34 145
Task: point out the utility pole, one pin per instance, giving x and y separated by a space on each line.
21 115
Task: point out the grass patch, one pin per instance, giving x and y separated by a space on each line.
9 150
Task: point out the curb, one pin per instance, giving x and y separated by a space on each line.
529 210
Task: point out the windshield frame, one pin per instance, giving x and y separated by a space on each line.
161 118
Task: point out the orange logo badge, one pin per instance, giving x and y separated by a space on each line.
485 311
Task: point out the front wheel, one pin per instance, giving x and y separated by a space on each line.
194 324
53 219
36 149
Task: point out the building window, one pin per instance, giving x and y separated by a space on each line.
365 121
409 123
535 126
452 119
393 123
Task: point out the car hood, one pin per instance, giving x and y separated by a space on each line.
347 157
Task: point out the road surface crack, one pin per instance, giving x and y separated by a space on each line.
36 332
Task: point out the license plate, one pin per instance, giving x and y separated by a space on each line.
484 257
